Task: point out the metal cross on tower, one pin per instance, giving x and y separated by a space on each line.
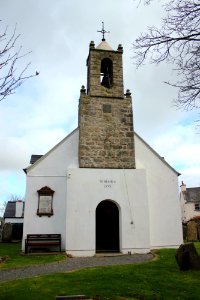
103 31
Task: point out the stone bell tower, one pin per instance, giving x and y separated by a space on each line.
106 136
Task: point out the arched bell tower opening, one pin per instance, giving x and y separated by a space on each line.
107 227
106 75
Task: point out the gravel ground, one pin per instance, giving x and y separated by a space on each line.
72 264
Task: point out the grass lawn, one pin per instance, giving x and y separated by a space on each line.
15 260
158 279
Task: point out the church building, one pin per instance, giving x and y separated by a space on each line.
103 188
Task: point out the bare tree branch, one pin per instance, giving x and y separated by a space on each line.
3 207
176 42
10 77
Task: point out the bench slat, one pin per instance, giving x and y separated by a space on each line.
42 240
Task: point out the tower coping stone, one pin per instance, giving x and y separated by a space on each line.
104 46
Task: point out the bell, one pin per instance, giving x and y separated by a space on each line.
105 81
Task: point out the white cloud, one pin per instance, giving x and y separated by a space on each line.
45 108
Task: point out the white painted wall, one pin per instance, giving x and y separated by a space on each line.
86 188
19 209
147 197
13 220
190 211
163 196
50 171
56 223
187 209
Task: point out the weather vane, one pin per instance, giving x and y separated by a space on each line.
103 31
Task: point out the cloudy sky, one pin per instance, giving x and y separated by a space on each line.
44 110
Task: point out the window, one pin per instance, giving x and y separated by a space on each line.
197 206
45 202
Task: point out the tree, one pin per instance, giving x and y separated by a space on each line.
15 197
10 77
176 42
3 207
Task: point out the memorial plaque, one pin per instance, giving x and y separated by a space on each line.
45 204
45 201
106 108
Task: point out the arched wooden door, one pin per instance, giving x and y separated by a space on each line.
107 227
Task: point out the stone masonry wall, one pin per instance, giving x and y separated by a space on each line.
106 137
94 87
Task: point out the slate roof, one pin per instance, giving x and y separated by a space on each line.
34 158
10 209
192 194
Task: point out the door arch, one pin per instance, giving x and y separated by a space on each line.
107 227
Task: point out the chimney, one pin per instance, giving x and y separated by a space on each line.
183 187
19 209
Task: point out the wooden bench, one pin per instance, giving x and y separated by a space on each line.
42 242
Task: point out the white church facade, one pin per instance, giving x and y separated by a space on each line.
103 188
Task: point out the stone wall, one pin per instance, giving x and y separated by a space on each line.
94 87
106 137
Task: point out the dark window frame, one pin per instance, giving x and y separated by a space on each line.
197 206
42 193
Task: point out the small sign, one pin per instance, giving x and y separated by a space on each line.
107 182
106 108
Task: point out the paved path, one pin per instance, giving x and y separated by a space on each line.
72 264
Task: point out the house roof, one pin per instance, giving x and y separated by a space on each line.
192 194
34 158
10 209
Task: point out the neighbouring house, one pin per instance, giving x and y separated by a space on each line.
103 188
190 203
14 214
